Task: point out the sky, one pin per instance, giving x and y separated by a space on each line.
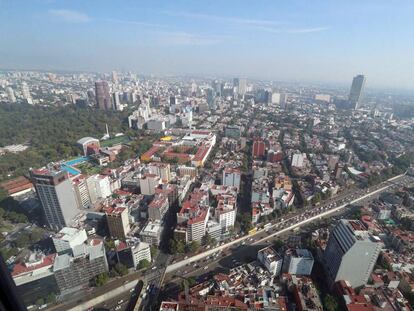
284 40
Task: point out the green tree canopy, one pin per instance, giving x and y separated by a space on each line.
143 264
101 279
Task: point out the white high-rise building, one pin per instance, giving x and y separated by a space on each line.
26 93
298 261
10 94
56 194
351 253
275 98
269 258
67 238
102 186
81 189
297 159
231 177
99 186
148 183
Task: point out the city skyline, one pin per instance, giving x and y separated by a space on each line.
295 41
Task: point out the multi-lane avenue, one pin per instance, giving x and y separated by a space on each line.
208 258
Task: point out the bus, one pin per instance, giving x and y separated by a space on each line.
252 231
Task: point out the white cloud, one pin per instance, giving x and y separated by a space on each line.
271 26
70 16
236 20
184 38
137 23
308 30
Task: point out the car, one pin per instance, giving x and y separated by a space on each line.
205 268
120 301
118 308
153 268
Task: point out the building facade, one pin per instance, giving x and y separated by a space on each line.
57 196
351 253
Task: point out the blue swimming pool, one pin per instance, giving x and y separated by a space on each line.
77 161
70 169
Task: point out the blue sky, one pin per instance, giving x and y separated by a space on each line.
290 40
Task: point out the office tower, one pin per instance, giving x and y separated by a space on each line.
267 97
91 98
258 148
56 194
103 98
351 253
217 88
231 177
355 94
10 94
76 270
118 222
271 260
275 98
67 238
114 77
194 88
173 103
236 82
26 93
116 101
298 261
242 86
158 207
210 98
81 190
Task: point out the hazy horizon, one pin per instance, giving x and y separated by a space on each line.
291 41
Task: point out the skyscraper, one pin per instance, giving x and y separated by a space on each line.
116 101
56 194
26 93
10 94
241 85
355 94
210 98
103 98
114 77
351 253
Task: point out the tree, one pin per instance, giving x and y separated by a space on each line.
154 251
316 198
39 302
143 264
51 298
330 303
193 246
176 247
23 240
121 269
208 240
3 194
101 279
278 244
109 244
